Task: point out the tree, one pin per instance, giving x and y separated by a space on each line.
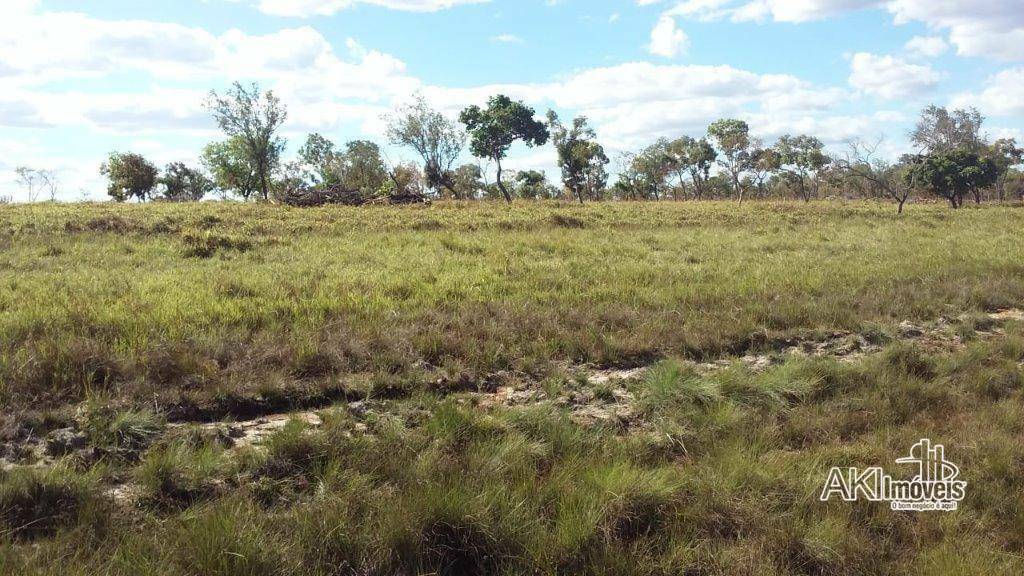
231 168
939 130
882 176
318 160
361 167
765 162
437 140
253 118
688 157
35 181
184 184
1006 155
580 157
468 181
732 138
802 158
130 175
493 131
534 184
953 174
644 173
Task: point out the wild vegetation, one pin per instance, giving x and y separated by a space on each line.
952 159
244 388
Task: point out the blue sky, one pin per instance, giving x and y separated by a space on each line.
79 79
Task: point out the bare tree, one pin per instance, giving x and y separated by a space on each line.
941 130
37 181
887 178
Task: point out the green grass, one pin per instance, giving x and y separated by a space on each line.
101 299
111 320
720 483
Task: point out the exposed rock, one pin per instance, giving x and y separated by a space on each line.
65 441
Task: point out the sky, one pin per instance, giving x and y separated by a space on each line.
80 79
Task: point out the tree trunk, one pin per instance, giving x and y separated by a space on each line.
901 202
501 185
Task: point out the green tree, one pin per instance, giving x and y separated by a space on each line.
468 181
765 163
361 167
130 176
732 138
493 131
953 174
534 184
802 158
184 184
437 140
580 157
1007 155
689 157
253 118
318 160
231 168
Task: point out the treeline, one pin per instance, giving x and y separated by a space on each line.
953 161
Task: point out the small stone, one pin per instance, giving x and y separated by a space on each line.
358 409
65 441
910 330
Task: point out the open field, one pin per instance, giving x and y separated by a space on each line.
468 388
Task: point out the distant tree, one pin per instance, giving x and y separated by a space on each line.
406 180
580 157
468 182
437 140
732 138
883 177
493 131
802 158
184 184
765 163
1007 155
130 176
692 159
318 160
36 181
533 184
644 174
231 167
253 118
361 167
953 174
939 130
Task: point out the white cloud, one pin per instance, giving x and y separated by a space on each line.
926 46
890 77
990 28
308 8
1003 95
507 39
667 39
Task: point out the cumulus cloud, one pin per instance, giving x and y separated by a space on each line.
667 40
990 28
890 77
1003 94
926 46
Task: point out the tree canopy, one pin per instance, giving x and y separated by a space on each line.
494 129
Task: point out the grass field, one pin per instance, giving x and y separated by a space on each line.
452 356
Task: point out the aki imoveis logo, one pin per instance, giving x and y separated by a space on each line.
935 487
